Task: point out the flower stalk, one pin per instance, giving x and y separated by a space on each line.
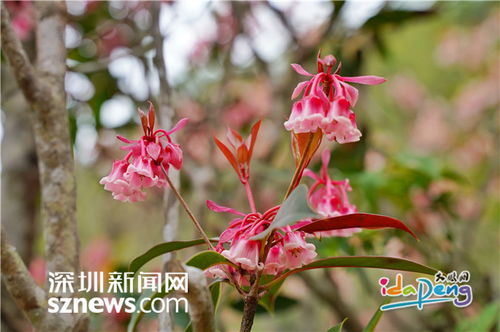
187 209
251 200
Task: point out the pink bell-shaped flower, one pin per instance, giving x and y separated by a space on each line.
326 101
142 166
297 251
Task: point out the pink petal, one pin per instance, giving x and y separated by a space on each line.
370 79
311 174
298 89
298 68
125 140
153 150
351 93
219 208
325 158
178 126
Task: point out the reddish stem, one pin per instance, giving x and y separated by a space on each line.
251 201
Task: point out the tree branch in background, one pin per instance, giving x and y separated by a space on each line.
166 117
43 87
22 68
201 309
55 157
44 90
200 303
28 296
334 300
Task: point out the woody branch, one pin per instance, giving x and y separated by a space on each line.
201 309
43 87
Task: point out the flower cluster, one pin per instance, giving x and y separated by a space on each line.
146 163
326 102
289 248
329 197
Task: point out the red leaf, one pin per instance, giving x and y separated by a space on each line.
253 134
355 220
144 121
228 154
151 116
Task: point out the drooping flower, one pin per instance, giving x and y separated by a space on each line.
326 102
275 261
329 197
289 249
297 251
242 151
243 252
145 162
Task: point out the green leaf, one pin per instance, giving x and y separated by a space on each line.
206 259
293 209
380 262
159 250
269 299
483 322
215 292
370 327
338 327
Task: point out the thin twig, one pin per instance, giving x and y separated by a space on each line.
187 209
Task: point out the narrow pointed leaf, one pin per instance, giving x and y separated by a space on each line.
293 209
228 154
254 132
159 250
205 259
355 220
372 324
338 327
378 262
151 116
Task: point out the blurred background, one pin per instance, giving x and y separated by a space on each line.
428 155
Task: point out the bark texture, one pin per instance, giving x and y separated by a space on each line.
43 88
201 309
166 116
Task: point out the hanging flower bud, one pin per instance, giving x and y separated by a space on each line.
326 102
142 166
329 197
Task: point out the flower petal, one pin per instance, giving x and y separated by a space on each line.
153 150
178 126
298 89
369 79
298 68
219 208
